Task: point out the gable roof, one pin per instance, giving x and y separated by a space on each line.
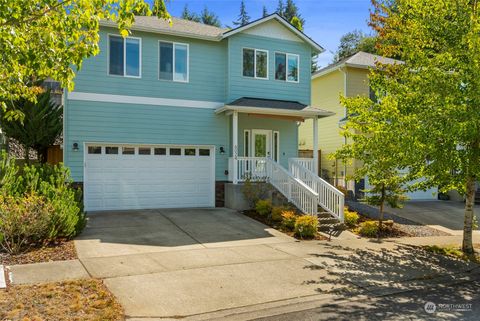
284 22
362 60
191 29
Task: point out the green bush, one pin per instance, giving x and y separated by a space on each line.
368 229
277 213
288 220
254 191
50 184
24 221
306 226
350 218
264 207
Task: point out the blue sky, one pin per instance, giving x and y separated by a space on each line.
326 20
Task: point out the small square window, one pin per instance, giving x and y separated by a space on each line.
94 149
160 151
144 151
190 151
204 152
109 150
175 151
128 150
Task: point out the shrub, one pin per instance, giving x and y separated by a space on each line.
351 218
306 226
253 191
264 207
288 220
24 221
368 229
277 213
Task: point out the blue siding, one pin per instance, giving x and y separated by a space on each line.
142 124
208 69
240 86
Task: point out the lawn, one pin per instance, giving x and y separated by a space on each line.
73 300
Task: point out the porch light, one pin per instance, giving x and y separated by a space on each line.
222 150
75 147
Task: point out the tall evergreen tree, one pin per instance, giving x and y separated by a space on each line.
188 15
291 11
264 11
243 17
280 8
210 18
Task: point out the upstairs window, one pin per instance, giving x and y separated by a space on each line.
286 67
255 63
124 56
173 61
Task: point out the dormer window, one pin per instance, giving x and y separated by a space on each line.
255 63
124 56
286 67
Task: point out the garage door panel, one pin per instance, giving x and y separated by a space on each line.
148 181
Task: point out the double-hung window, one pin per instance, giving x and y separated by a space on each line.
255 63
286 67
124 56
173 61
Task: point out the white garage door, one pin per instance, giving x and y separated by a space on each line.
143 177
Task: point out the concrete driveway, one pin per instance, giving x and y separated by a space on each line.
448 214
206 263
162 263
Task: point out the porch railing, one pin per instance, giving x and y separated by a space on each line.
265 169
329 197
305 162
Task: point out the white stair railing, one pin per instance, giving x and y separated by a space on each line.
329 198
305 162
302 196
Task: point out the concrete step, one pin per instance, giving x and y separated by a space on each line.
327 220
324 214
332 227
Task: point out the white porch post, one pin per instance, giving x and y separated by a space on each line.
235 146
315 144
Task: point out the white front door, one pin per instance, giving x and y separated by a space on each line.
261 143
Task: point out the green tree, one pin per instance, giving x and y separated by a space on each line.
243 17
51 38
188 15
353 42
280 8
297 23
291 12
41 125
429 105
210 18
264 12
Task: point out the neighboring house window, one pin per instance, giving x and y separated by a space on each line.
173 61
255 63
124 56
286 67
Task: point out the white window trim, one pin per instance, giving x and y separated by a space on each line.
276 132
255 63
125 56
245 149
286 67
173 62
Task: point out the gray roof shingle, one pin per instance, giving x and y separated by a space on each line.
267 103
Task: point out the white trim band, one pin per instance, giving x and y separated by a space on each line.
122 99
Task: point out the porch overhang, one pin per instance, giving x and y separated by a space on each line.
274 108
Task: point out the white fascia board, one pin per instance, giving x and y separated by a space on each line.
307 112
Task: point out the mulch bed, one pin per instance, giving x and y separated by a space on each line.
277 225
392 231
71 300
53 252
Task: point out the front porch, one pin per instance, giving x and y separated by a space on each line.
264 147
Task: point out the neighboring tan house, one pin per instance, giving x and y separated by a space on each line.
349 78
176 115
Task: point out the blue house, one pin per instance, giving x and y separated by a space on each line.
172 115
